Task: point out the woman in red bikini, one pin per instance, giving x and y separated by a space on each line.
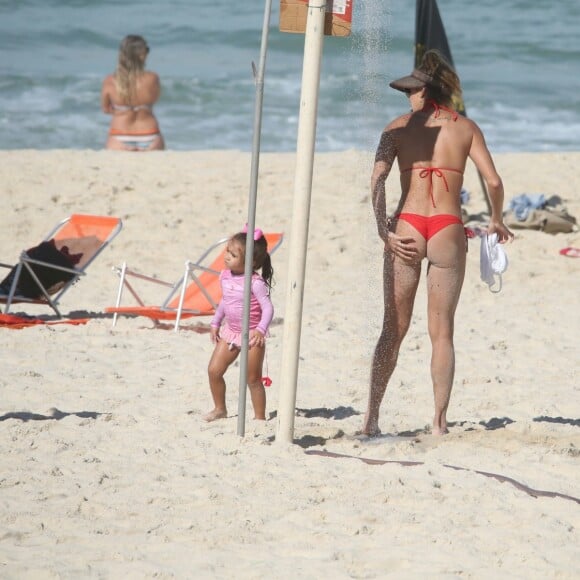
129 95
431 145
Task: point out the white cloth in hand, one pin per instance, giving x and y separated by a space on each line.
493 261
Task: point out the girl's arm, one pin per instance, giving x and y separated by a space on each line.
220 312
216 323
261 292
218 317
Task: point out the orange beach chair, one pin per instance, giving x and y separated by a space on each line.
44 273
196 293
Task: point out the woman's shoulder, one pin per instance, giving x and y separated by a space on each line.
399 122
150 76
109 80
468 125
150 83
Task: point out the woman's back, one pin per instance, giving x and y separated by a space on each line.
138 112
432 147
128 96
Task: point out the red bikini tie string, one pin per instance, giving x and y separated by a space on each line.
428 172
438 108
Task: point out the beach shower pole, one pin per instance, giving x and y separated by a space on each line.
249 262
313 42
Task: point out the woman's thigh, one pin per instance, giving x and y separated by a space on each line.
446 253
401 280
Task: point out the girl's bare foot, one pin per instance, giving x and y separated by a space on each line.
439 431
214 415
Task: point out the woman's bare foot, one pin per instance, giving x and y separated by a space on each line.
215 415
439 424
370 428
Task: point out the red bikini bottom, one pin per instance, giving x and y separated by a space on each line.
428 226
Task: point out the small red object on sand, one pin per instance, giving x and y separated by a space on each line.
570 252
267 381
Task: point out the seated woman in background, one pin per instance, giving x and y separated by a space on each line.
129 95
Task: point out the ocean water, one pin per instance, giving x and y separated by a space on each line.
518 61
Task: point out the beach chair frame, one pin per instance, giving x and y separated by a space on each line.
76 223
174 305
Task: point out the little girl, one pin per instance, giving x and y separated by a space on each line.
227 339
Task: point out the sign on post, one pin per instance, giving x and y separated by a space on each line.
337 21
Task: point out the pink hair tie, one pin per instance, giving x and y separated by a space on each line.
258 233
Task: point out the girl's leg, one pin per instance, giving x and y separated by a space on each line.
446 253
400 287
221 359
257 391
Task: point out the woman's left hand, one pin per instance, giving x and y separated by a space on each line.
405 247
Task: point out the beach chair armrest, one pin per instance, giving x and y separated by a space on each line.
70 270
133 273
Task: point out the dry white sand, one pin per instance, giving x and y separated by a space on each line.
108 471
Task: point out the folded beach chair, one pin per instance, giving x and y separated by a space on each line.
44 273
196 293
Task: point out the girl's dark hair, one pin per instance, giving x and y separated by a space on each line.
262 259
